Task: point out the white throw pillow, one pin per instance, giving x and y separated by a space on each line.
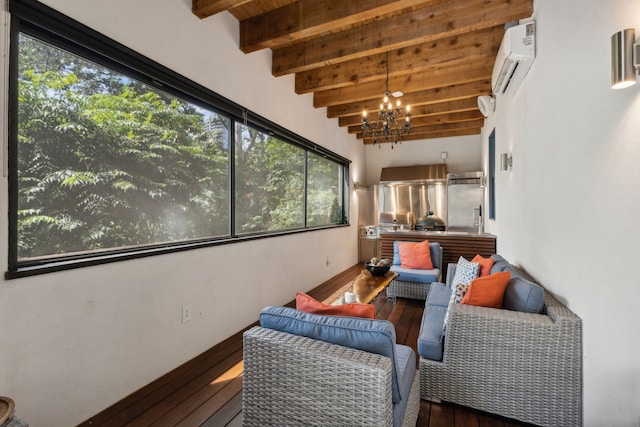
457 293
466 272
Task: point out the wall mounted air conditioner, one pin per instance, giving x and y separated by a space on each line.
515 57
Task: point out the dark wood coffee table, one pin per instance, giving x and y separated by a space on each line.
366 287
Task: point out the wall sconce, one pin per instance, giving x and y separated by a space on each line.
506 161
625 57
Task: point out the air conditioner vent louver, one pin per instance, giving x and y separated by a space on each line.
506 75
515 57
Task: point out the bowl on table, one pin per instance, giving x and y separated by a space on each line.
377 270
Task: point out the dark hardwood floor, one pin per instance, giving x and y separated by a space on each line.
207 391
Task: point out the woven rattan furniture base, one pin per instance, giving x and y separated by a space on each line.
518 365
298 381
413 290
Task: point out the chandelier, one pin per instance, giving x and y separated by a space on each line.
393 121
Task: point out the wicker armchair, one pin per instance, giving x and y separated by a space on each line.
411 283
294 380
518 365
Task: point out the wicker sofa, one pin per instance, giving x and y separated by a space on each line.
308 369
414 283
519 365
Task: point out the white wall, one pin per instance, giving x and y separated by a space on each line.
463 155
75 342
568 210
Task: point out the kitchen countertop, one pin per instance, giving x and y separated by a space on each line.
437 233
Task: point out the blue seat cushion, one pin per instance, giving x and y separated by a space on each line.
431 338
373 336
414 275
406 368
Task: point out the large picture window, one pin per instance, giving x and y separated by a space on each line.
105 161
324 191
269 183
113 155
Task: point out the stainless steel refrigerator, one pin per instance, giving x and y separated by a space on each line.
465 199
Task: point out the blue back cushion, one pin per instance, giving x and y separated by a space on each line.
523 295
434 249
373 336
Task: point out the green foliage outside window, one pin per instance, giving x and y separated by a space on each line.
324 184
105 161
269 182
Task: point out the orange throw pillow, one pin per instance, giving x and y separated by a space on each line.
310 305
485 264
487 291
415 255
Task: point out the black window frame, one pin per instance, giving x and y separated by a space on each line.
42 22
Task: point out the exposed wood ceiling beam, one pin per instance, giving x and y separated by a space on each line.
425 97
433 22
437 76
467 104
310 18
438 119
408 60
440 54
428 135
205 8
257 7
418 130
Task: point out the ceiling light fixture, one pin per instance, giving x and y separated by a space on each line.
393 121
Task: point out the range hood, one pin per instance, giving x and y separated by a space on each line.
414 174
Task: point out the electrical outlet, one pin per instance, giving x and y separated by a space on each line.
186 313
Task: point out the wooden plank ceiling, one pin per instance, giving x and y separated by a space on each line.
440 54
